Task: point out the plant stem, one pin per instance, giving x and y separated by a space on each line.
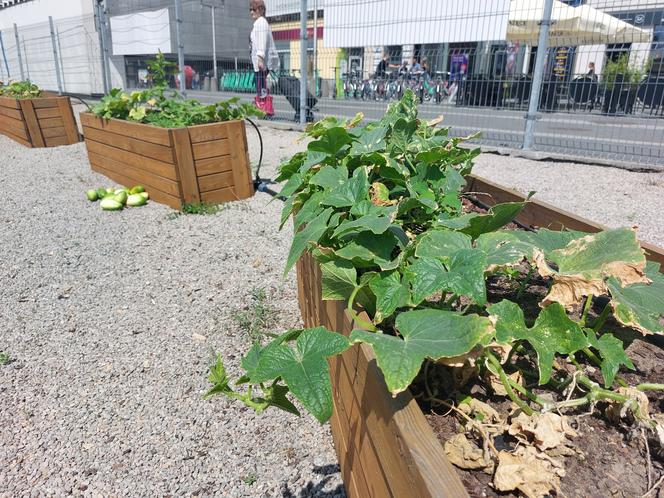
526 281
650 387
451 300
586 308
602 318
506 383
362 323
530 395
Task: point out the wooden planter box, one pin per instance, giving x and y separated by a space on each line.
44 122
385 446
204 163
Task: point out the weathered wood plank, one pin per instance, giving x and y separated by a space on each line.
137 176
156 195
14 126
216 181
542 214
203 150
354 487
184 164
51 123
56 141
54 132
11 113
67 115
16 138
146 133
45 102
219 196
244 186
9 103
209 132
213 165
48 112
137 146
30 118
160 168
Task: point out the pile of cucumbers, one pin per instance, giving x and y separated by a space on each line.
115 199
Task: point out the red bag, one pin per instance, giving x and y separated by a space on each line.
265 104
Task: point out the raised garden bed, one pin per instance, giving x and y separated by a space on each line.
46 121
197 164
385 445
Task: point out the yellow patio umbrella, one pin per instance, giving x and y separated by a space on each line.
583 25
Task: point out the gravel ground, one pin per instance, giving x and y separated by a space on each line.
110 320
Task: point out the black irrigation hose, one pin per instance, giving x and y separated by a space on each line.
261 184
81 101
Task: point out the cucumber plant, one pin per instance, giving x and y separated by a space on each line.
20 90
380 208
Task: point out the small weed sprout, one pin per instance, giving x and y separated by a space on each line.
258 317
5 358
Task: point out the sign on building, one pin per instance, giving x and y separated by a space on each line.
141 33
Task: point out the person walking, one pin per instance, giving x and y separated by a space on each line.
264 55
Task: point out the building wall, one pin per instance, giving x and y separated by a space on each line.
34 11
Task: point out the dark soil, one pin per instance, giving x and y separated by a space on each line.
609 459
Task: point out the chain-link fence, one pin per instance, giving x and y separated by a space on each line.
579 77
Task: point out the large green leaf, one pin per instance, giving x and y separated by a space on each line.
330 177
640 306
502 249
613 355
462 275
370 223
547 240
309 210
475 224
391 293
312 159
331 142
339 279
310 233
553 332
427 333
368 249
304 368
291 186
441 244
370 141
354 190
585 263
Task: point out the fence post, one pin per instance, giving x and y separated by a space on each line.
55 55
303 61
538 76
4 56
18 52
25 54
102 45
178 37
62 65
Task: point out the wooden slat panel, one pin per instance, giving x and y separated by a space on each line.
213 165
16 138
67 115
542 214
56 141
219 196
208 132
203 150
34 131
11 113
137 146
137 176
155 195
351 482
42 103
51 123
9 102
54 132
216 181
14 126
141 162
244 187
48 112
146 133
184 164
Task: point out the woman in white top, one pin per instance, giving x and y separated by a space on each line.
263 52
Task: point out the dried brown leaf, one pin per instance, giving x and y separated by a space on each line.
616 411
474 407
546 430
532 473
466 454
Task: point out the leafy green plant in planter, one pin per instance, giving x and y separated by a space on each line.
152 106
380 208
20 90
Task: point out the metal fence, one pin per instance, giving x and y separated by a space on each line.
579 77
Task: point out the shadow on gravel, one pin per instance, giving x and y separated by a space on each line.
315 490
